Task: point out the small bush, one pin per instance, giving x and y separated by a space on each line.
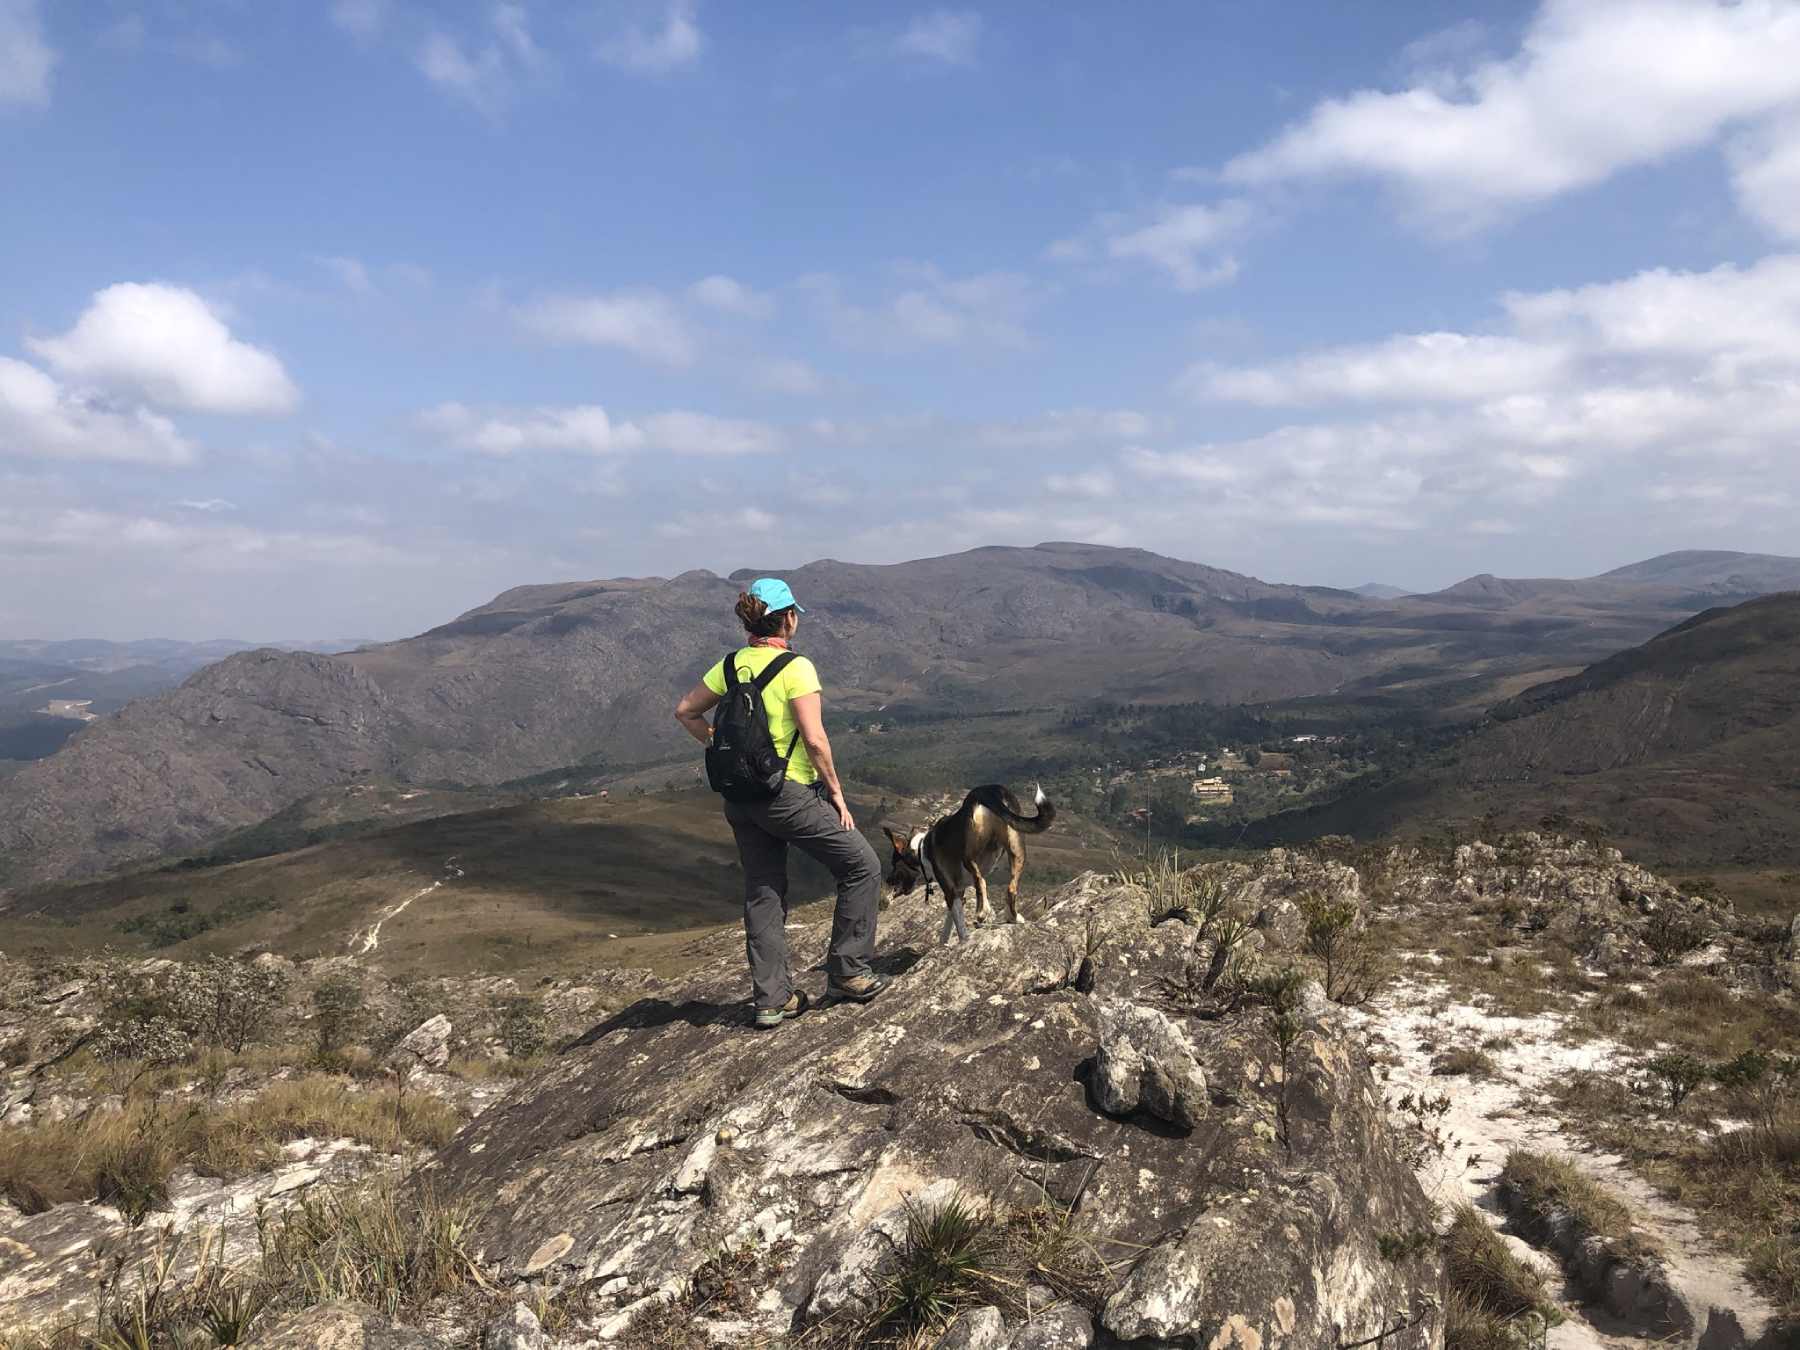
524 1025
1674 1076
1337 938
339 1011
1671 935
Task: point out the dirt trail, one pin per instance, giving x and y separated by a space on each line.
1489 1117
365 940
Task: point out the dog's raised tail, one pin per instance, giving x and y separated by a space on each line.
1002 803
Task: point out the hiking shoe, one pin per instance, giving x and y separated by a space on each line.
774 1017
856 989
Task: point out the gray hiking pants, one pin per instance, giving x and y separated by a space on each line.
800 815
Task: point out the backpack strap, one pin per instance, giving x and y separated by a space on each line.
731 674
774 668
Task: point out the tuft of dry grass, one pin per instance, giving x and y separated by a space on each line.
123 1157
1495 1290
1546 1182
1464 1060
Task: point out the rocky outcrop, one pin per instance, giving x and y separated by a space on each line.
1614 913
1236 1187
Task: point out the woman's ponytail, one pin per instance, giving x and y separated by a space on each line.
758 619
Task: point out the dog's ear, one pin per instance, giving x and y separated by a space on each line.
895 837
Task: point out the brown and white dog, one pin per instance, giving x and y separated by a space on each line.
961 847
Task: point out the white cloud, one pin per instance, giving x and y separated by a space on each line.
482 79
213 545
1094 484
1060 428
207 505
588 429
931 308
484 73
359 278
787 375
644 323
948 36
40 418
26 59
690 433
1190 242
724 293
351 272
674 43
1595 87
362 19
1412 366
1766 176
168 346
716 524
1620 383
585 428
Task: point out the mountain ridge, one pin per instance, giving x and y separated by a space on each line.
584 672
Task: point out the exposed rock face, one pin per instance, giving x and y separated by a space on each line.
426 1046
1251 1213
1146 1060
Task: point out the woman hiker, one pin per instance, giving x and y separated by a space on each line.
800 804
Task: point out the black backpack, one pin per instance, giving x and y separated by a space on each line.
742 764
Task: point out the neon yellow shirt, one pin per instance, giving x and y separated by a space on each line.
797 681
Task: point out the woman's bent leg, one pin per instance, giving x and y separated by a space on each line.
764 858
807 821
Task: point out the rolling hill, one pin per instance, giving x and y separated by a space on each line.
584 674
1685 750
543 886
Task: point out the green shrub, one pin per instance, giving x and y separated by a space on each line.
339 1011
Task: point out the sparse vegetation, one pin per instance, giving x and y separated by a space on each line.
1338 939
1675 1076
124 1157
339 1011
1466 1061
1496 1301
948 1258
1548 1183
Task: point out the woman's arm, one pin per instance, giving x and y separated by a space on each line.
691 712
809 718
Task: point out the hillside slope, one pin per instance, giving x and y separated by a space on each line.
1686 748
585 673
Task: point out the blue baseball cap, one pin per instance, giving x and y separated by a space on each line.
774 593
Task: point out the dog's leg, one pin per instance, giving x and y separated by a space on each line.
949 923
956 914
981 897
1015 852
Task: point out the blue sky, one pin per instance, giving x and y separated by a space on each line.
336 318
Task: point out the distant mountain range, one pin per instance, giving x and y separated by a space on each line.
1685 749
98 677
1375 590
584 673
178 658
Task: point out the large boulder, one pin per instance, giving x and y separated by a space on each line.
673 1131
1147 1062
